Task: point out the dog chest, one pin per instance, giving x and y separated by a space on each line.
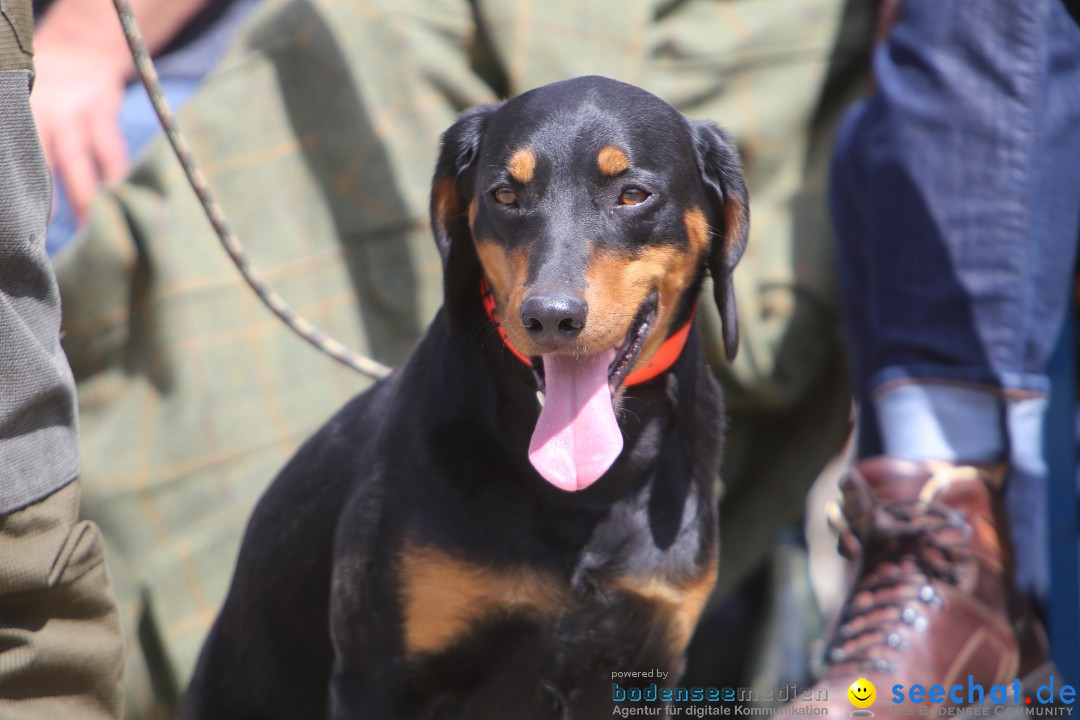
447 601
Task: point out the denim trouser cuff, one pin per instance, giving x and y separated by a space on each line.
921 419
935 420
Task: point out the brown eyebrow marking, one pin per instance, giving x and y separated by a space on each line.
522 164
611 160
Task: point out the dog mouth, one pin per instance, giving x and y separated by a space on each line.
577 437
625 355
630 351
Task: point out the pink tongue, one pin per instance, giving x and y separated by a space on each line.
576 438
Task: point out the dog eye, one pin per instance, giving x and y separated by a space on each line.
505 196
632 196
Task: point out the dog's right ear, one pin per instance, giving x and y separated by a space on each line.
451 190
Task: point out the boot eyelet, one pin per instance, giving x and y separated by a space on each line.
909 616
895 641
926 593
881 665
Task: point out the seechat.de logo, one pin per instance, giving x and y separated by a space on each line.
975 693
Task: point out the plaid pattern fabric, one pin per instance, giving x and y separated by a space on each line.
320 131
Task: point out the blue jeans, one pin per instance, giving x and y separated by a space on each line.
956 199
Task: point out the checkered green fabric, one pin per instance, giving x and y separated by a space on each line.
320 131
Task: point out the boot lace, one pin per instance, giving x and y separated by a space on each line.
905 547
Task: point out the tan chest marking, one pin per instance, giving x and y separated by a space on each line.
444 596
681 603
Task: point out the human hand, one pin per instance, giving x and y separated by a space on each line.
76 98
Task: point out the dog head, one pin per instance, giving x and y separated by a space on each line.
593 210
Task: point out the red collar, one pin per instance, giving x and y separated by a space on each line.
661 361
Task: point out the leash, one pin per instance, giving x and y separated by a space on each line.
214 212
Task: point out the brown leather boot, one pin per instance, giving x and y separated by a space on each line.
932 599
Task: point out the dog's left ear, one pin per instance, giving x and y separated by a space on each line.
451 189
721 174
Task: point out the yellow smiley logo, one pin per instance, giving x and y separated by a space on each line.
862 693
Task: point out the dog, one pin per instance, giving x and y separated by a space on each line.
525 511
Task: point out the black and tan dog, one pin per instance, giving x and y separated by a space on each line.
454 545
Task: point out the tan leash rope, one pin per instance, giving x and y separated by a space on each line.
299 324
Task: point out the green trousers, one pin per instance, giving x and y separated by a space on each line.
61 651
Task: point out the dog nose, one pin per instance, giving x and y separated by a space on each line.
553 319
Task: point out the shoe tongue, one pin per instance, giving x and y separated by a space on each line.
892 479
577 437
